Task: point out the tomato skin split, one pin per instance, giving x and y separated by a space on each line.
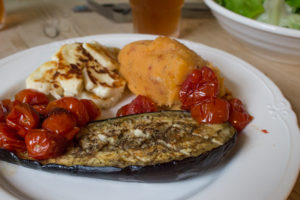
239 117
32 97
92 109
71 134
7 103
73 105
10 140
42 144
44 129
141 104
200 84
22 118
213 110
59 121
3 113
41 109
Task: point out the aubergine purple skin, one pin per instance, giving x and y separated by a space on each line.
174 170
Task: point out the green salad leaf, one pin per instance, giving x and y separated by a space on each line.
291 21
285 13
280 13
293 3
221 2
247 8
273 11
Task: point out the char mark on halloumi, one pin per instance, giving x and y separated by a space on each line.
81 70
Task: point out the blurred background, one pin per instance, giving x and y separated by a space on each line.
29 23
34 22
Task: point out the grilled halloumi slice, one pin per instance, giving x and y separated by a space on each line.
43 80
78 73
68 53
102 82
100 101
107 57
98 79
69 70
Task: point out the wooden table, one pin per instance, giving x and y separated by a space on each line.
26 19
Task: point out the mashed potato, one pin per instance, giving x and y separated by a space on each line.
158 68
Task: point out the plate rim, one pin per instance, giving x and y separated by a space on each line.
288 181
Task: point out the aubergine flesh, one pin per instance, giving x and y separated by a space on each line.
149 147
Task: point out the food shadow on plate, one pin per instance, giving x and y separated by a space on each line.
241 141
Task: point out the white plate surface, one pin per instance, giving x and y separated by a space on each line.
262 166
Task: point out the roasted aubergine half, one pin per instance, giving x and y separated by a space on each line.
150 147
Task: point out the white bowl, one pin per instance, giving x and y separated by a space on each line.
273 42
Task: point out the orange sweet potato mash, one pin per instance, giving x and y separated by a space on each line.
158 68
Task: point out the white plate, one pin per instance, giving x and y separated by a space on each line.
263 166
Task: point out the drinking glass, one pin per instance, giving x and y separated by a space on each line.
160 17
2 14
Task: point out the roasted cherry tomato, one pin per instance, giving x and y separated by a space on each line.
7 103
22 118
200 84
41 109
74 106
92 108
3 113
59 121
32 97
10 140
213 110
42 144
239 117
141 104
71 134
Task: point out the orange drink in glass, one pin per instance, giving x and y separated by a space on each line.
160 17
2 14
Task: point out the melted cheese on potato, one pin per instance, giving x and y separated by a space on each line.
76 71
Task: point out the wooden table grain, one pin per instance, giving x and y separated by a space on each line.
26 20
